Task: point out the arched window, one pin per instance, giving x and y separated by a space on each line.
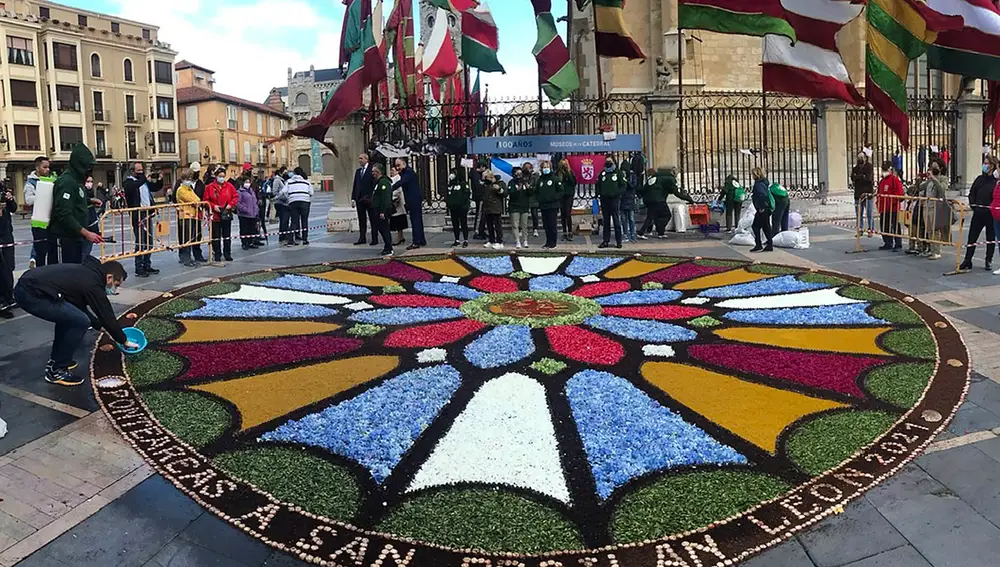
301 122
302 99
127 66
95 65
305 162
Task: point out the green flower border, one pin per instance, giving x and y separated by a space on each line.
478 309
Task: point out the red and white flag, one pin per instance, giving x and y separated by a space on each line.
440 58
812 66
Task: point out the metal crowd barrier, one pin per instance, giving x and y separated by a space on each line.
927 223
159 228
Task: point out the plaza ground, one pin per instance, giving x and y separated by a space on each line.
74 494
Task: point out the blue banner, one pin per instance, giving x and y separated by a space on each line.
554 144
316 156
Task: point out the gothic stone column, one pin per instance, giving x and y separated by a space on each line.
663 109
968 160
832 159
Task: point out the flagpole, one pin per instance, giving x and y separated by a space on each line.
600 74
465 79
763 109
680 90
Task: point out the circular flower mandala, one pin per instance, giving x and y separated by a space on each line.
467 410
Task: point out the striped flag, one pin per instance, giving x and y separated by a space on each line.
613 38
382 88
399 30
480 39
812 66
555 69
898 32
440 59
740 17
974 50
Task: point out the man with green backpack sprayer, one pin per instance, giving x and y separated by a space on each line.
732 196
779 216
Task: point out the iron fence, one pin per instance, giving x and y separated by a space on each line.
989 135
933 124
433 132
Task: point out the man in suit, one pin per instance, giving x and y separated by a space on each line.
361 199
414 198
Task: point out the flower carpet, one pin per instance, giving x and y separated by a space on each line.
534 410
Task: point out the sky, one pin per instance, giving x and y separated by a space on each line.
250 44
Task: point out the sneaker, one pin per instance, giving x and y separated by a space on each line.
525 244
201 260
517 244
756 248
642 237
965 266
360 242
465 244
603 245
142 274
190 264
570 237
934 257
661 236
488 245
413 247
305 243
388 252
618 245
498 246
72 364
768 248
535 234
989 266
996 272
454 244
228 258
152 271
62 377
31 263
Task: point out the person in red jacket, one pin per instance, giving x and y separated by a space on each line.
222 196
889 201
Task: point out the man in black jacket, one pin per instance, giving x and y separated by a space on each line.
361 198
75 298
8 206
139 193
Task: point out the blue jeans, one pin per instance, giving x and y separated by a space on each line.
71 323
861 208
628 223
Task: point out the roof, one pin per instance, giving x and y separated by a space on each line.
185 64
188 95
323 75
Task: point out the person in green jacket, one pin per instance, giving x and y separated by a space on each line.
779 217
458 197
660 184
549 192
493 192
610 186
531 177
70 206
565 173
520 192
382 206
732 196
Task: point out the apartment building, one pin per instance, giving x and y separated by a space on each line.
217 128
74 75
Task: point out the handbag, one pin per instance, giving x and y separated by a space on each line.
226 215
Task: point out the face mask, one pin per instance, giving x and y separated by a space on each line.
88 185
451 177
996 174
546 171
610 167
886 173
220 179
187 183
246 185
935 171
986 169
111 289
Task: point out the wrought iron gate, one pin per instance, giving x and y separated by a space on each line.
933 123
724 133
414 126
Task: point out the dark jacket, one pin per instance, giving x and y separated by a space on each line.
364 185
457 195
520 196
568 186
69 200
549 191
382 195
660 186
7 209
610 184
133 189
730 191
863 178
762 195
82 285
411 187
981 192
493 197
477 185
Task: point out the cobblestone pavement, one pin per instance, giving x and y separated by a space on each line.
73 494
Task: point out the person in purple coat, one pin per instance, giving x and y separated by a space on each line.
248 212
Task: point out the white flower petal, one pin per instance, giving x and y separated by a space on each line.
817 298
505 435
359 306
590 279
259 293
432 355
665 351
695 301
540 265
450 279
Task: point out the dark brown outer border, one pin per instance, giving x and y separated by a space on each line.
326 542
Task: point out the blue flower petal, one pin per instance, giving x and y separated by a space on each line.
501 346
641 297
447 290
554 282
305 283
640 330
584 266
853 314
495 265
241 309
406 315
377 427
770 286
627 434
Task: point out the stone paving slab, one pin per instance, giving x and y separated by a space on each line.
862 525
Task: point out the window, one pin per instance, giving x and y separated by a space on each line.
149 71
45 53
133 144
26 138
68 98
82 20
69 137
168 143
116 27
231 117
246 121
164 108
164 72
284 155
127 68
99 106
95 65
260 152
193 151
43 12
145 34
130 109
246 151
64 56
101 144
271 125
260 124
302 99
19 51
232 150
191 116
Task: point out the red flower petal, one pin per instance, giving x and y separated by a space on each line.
657 312
602 288
584 346
213 359
683 272
397 271
414 300
434 335
493 284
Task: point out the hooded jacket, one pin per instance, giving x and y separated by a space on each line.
30 185
220 195
610 184
69 202
246 204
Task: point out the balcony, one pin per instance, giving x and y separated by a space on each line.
134 119
103 153
102 116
